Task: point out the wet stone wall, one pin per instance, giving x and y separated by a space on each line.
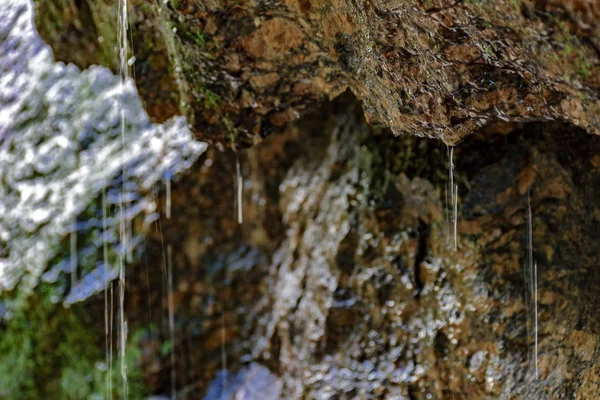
342 281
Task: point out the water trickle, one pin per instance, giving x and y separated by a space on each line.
111 330
171 320
239 187
168 200
124 70
452 228
107 343
73 257
122 327
532 271
535 314
223 346
41 158
149 303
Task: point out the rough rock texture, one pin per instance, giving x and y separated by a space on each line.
342 282
243 69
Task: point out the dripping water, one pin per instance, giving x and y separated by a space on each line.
171 319
111 327
239 187
73 260
532 270
453 217
107 344
223 346
535 313
168 200
149 303
167 275
124 70
448 233
122 326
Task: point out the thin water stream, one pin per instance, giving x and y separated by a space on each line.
171 320
453 201
124 234
532 269
239 188
50 180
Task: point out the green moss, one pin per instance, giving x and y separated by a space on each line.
574 52
583 65
488 50
384 156
517 5
197 38
49 352
176 4
229 126
211 99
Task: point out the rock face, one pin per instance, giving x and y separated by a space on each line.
444 69
342 281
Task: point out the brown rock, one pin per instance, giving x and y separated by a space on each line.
261 82
273 39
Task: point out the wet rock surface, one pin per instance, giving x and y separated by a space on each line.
344 284
241 70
